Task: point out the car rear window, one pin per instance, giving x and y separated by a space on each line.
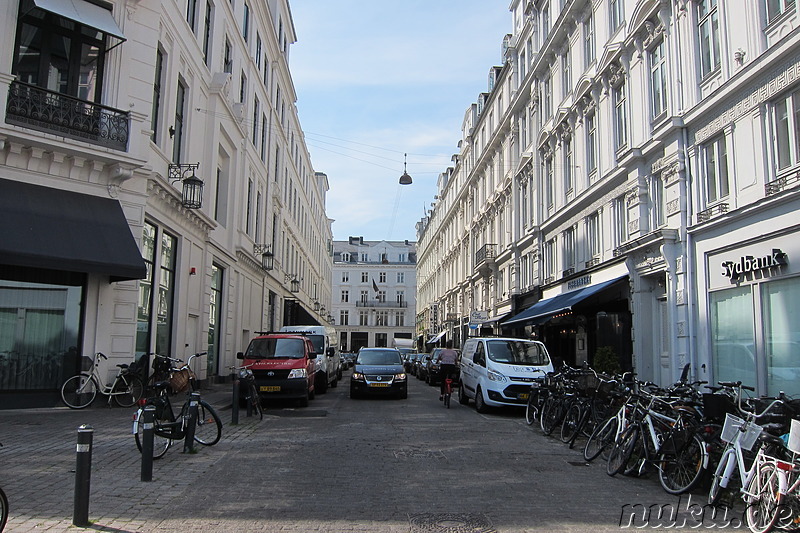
517 352
276 349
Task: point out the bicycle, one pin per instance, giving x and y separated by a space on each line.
81 390
168 427
448 391
3 508
247 386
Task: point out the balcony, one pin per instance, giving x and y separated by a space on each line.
485 258
594 261
32 107
786 181
384 305
711 212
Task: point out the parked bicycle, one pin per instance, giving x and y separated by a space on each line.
3 508
448 391
248 390
81 390
168 427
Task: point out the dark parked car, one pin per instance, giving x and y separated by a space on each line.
421 365
408 362
432 374
378 371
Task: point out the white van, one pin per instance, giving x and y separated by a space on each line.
499 371
329 365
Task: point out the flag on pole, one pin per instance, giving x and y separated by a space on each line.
374 285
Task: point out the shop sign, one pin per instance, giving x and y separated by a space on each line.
579 282
478 317
748 265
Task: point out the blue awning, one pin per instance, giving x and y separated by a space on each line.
539 311
437 337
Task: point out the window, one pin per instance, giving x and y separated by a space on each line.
256 112
191 13
620 213
657 215
547 98
400 297
365 277
207 35
363 317
616 14
593 235
363 296
59 54
588 40
776 8
258 51
246 22
568 180
180 110
545 20
568 249
258 217
658 80
157 94
249 205
344 317
549 260
591 142
566 74
156 291
227 59
382 277
345 277
401 277
345 296
732 335
384 258
215 317
716 165
243 88
381 296
345 257
382 318
399 318
401 258
620 122
264 138
786 130
548 183
364 257
708 28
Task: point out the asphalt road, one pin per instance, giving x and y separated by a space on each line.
339 465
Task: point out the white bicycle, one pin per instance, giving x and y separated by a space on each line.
81 390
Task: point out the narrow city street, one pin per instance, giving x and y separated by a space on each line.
367 465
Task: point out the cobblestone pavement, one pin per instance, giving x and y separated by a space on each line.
339 465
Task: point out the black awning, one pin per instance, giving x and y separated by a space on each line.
42 227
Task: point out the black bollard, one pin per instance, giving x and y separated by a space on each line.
83 474
191 424
148 431
235 404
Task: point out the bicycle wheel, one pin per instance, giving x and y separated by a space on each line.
715 491
447 399
601 439
3 509
622 450
532 408
255 401
763 499
553 416
682 471
209 426
571 423
129 390
160 444
79 391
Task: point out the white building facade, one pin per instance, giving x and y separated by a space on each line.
596 190
374 293
109 107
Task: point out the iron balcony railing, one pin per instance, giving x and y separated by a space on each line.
376 303
51 112
711 212
486 253
784 182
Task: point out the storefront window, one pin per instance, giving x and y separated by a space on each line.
732 336
780 301
214 318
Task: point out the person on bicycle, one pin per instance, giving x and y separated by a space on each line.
447 366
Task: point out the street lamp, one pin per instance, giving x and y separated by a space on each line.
405 179
267 257
192 191
294 283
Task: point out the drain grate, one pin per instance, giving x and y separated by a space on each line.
413 453
451 523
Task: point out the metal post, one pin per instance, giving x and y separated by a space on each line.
235 404
148 431
83 474
191 424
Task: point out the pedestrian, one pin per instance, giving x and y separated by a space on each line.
447 366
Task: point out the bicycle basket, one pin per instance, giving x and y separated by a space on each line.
179 380
731 431
794 437
587 381
716 406
160 364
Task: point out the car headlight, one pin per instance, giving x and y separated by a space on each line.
245 373
297 373
358 376
494 376
400 377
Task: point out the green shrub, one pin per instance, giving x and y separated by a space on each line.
606 361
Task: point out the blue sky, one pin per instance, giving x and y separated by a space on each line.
376 79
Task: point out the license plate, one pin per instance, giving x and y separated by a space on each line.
523 396
270 388
378 384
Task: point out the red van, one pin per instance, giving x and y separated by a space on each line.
283 366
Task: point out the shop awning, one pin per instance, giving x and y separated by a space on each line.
85 13
539 311
437 337
494 320
42 227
